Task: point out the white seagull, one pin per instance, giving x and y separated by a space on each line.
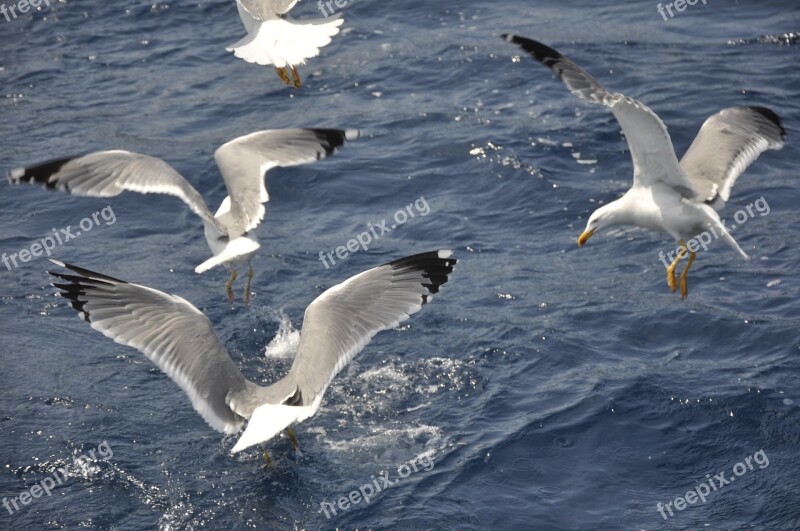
679 198
180 340
274 38
243 163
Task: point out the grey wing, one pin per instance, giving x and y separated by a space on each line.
170 331
726 145
267 9
651 147
244 161
109 173
341 321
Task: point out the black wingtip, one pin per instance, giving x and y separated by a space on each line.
436 266
541 52
75 286
772 116
332 139
40 173
86 273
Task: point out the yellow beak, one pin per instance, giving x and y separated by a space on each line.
585 236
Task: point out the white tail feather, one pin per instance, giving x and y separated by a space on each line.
267 421
238 249
727 238
286 42
716 222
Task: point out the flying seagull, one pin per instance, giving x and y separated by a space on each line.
180 340
242 162
274 38
679 198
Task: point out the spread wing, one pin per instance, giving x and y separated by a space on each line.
651 147
341 321
726 145
170 331
109 173
244 161
266 9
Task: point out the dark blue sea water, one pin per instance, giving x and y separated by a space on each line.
546 387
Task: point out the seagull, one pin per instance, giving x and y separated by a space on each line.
274 38
679 198
243 163
179 339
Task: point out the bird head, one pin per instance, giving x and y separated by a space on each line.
600 219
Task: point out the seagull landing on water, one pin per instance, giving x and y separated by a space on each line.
179 339
274 38
679 198
242 162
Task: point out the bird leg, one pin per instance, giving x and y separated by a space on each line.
247 286
293 438
672 282
267 459
229 285
296 77
283 75
684 284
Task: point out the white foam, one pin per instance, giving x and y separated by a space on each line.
387 438
284 344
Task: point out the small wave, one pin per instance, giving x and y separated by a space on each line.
492 153
783 39
384 438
